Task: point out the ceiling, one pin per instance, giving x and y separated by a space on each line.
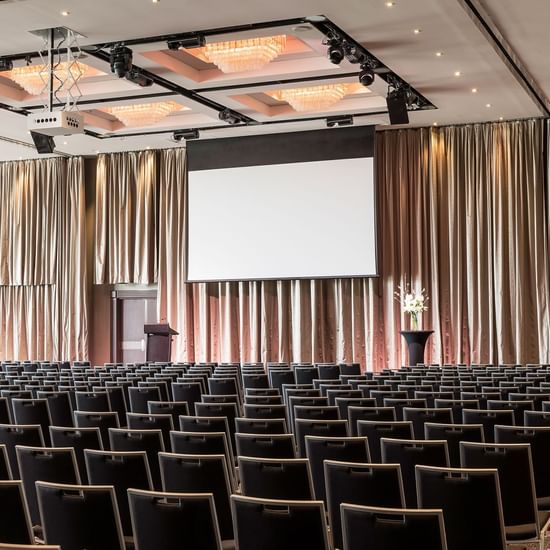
493 46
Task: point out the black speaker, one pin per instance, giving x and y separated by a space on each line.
44 144
397 107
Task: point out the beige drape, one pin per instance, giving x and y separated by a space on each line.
126 217
463 213
43 305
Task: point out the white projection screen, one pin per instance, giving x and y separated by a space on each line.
290 220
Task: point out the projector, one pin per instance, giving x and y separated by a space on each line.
56 123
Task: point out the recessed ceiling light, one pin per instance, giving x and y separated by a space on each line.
156 1
97 152
438 54
417 31
65 143
435 123
390 4
474 90
501 118
488 105
148 147
65 13
457 73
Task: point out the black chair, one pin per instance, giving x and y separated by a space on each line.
539 440
200 474
400 404
341 449
261 425
517 406
378 414
489 419
175 408
536 418
409 454
343 404
15 525
174 520
5 412
515 472
263 400
374 431
59 405
79 439
364 484
317 413
390 528
282 479
82 516
162 422
262 391
264 411
255 381
33 411
150 441
122 470
306 375
190 392
278 524
457 405
206 424
45 464
321 428
333 394
454 434
329 372
139 397
470 500
118 400
5 468
12 435
223 386
276 446
419 416
279 377
89 401
227 410
102 420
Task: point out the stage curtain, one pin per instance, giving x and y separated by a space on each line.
126 218
43 303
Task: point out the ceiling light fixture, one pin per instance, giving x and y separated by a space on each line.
366 76
245 55
390 4
6 64
438 54
34 78
229 116
435 123
344 120
488 105
120 60
65 13
143 114
458 73
501 118
314 98
186 135
335 52
474 90
417 31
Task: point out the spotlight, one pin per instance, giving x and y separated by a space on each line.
335 52
180 135
229 116
366 76
344 120
197 41
137 77
354 54
6 64
121 60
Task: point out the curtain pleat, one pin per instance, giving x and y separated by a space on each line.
43 304
126 218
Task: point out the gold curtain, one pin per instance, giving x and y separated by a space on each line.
43 306
126 217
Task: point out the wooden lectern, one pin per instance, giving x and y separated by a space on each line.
159 342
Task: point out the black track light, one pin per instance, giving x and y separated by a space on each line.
6 64
137 77
335 52
229 116
186 135
120 59
341 120
196 41
366 76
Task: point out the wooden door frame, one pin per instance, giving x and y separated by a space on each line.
117 297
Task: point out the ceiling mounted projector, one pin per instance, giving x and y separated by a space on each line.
56 123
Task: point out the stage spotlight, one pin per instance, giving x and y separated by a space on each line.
229 116
6 64
343 120
197 41
354 54
366 76
335 52
120 59
137 77
186 135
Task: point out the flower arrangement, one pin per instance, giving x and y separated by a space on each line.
412 302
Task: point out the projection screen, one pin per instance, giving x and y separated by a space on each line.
311 219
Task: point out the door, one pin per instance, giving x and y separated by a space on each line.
132 309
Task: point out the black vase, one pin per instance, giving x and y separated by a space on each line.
416 342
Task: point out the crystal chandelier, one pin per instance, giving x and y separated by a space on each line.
34 78
245 55
314 98
143 114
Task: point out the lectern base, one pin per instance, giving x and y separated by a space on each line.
416 342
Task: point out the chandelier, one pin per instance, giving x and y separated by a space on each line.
34 78
245 55
143 114
314 98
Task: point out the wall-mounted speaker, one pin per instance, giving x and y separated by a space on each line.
397 107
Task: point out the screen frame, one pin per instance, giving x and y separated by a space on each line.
283 148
